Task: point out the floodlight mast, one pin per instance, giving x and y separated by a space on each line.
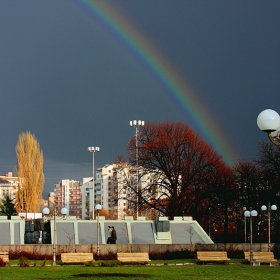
93 150
137 124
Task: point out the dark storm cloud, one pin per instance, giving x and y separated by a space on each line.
72 84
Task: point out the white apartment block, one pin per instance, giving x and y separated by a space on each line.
102 192
113 190
87 200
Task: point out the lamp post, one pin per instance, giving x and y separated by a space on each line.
251 214
98 208
137 124
269 121
93 150
245 230
46 211
268 208
209 222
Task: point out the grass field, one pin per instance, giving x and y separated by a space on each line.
210 272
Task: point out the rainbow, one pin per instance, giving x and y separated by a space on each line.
126 32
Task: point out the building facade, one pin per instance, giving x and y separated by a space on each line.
8 186
68 194
115 189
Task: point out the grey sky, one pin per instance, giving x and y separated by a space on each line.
69 81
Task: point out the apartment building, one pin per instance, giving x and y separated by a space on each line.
114 189
8 185
68 194
101 193
87 200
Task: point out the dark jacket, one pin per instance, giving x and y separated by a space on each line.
113 235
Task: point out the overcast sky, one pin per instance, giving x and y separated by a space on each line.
73 82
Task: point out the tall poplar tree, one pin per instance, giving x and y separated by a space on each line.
30 172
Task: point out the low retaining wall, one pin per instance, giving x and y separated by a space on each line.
114 248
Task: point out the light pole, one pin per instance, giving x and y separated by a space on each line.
251 214
46 211
209 222
136 124
269 121
245 230
98 208
93 150
268 208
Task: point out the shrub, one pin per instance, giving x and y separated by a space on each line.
15 255
183 254
2 263
108 257
23 262
234 252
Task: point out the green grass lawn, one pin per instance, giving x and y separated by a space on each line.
211 272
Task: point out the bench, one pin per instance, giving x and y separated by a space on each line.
212 256
133 257
261 257
4 256
76 257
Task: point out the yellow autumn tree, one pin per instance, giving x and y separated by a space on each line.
30 173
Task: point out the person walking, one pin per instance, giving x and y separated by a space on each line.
109 228
113 236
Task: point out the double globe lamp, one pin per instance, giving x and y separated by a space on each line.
269 121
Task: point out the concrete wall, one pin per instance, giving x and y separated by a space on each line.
129 231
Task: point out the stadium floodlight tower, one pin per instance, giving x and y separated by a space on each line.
93 150
137 124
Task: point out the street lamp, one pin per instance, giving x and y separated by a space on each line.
251 214
209 222
98 208
93 150
46 211
137 124
269 121
268 208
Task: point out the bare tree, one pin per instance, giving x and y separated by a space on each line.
30 172
248 179
269 162
191 232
